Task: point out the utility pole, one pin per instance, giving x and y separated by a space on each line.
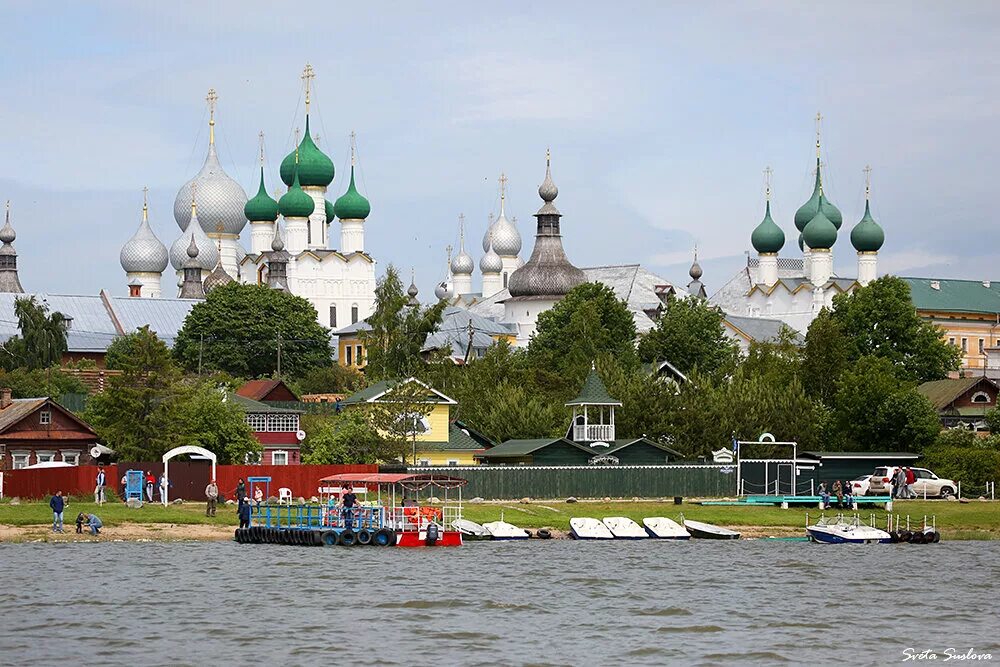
468 350
279 354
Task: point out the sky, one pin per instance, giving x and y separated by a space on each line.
661 118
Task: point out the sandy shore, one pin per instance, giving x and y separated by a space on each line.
167 532
126 532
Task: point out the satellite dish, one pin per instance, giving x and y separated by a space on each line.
95 452
300 435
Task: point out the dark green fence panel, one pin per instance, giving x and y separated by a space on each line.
553 482
73 402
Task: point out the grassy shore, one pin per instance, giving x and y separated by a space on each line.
973 520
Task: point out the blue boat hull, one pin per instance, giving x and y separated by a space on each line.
830 538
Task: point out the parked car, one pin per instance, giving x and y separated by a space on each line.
935 487
859 486
880 481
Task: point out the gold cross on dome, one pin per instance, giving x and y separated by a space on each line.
503 184
308 74
211 98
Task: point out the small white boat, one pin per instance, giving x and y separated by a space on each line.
501 530
471 530
585 528
624 528
665 529
707 531
839 531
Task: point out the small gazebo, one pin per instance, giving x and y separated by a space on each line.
593 411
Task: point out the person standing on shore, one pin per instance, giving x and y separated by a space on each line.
911 478
150 482
57 503
244 512
99 486
241 493
901 491
125 488
212 494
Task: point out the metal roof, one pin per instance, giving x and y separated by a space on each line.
407 480
955 296
762 329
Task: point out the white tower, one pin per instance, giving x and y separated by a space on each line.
462 264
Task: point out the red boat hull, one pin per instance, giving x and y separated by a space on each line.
412 538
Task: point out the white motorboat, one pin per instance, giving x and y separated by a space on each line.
624 528
471 530
501 530
665 529
586 528
707 531
840 531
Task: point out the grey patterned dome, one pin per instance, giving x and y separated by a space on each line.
220 199
462 263
217 278
208 254
442 291
491 262
7 234
144 253
506 238
488 234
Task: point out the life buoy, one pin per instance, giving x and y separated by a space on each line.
347 538
364 537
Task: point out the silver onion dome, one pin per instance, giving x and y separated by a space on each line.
208 254
220 199
506 238
489 233
7 234
462 263
442 291
144 253
491 262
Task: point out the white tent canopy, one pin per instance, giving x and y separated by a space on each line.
199 452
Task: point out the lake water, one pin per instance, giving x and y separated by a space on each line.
542 603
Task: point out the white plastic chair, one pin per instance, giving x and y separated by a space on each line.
284 495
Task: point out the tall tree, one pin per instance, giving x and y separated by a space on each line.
825 357
876 411
589 322
205 418
332 379
251 331
136 413
398 331
347 438
879 320
690 335
42 340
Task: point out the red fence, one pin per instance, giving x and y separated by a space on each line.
80 481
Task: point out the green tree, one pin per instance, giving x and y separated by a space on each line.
879 320
332 379
776 362
876 411
136 413
42 340
514 411
25 383
398 331
824 357
589 322
690 335
205 418
242 330
346 438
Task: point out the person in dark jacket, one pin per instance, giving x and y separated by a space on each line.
241 493
244 513
838 491
81 519
57 503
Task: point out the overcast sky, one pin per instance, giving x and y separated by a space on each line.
661 118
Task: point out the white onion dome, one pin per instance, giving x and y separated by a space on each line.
506 239
462 263
208 254
143 253
442 291
491 262
220 199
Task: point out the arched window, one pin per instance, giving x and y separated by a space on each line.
354 314
981 397
333 317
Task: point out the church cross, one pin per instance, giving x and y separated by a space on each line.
308 74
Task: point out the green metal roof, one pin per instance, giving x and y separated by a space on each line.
594 392
767 236
515 448
860 455
621 443
867 235
314 167
943 392
458 441
262 208
955 296
373 392
352 205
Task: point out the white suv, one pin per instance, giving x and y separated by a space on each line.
926 483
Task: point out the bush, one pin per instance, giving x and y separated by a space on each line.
973 466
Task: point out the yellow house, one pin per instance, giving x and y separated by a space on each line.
440 440
968 313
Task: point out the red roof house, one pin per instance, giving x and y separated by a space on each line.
39 430
267 390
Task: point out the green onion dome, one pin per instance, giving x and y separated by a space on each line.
262 208
802 245
867 235
352 205
767 236
296 203
315 168
809 210
820 233
328 207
